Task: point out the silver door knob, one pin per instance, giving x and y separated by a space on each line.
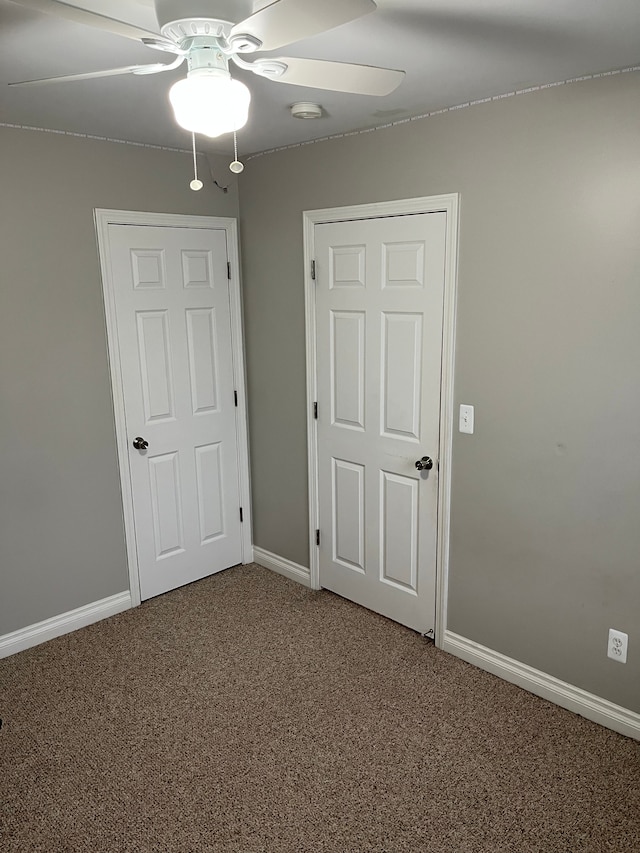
424 464
139 443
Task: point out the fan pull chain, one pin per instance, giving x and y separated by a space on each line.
236 167
196 184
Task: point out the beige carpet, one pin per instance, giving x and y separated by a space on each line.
245 714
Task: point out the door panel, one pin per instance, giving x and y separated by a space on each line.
173 322
201 340
379 315
210 491
348 514
347 369
166 504
156 374
401 375
398 530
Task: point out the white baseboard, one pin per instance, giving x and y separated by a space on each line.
32 635
566 695
282 566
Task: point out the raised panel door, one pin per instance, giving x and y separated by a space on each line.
379 316
174 336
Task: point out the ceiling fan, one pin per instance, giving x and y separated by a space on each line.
209 34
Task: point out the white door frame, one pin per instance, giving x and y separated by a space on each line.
448 204
104 218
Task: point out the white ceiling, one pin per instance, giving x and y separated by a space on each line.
453 51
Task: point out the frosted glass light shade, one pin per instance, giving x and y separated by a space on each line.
211 104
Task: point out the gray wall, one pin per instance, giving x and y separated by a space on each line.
546 495
61 528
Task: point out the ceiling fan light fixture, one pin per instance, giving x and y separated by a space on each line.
208 101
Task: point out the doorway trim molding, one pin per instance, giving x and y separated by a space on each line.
449 204
103 218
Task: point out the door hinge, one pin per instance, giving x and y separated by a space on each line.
315 411
241 518
317 537
313 270
235 398
229 270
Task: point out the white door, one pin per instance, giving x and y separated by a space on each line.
172 310
379 315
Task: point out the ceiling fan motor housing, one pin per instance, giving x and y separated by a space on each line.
205 57
224 11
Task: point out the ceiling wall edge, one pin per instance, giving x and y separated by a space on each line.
94 137
264 153
408 119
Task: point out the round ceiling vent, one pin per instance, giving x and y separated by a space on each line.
305 109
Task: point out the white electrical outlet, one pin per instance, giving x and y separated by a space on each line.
466 419
617 646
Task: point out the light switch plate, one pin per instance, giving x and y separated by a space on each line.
466 419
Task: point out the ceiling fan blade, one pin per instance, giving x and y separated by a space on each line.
76 15
337 76
156 68
286 21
